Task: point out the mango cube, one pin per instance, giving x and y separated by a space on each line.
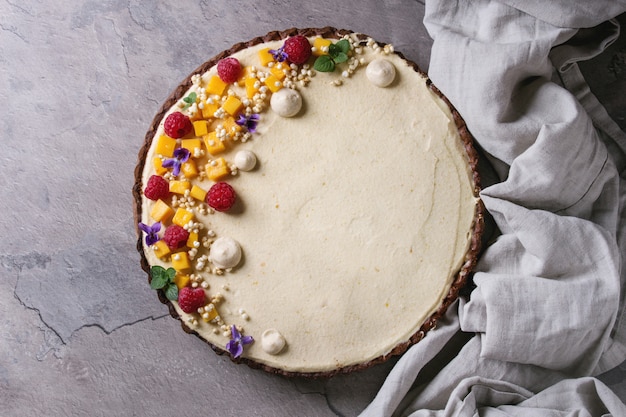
210 313
209 109
179 187
216 86
158 166
190 169
182 217
217 169
181 262
198 193
161 249
320 45
161 212
265 56
232 105
200 127
231 126
182 280
165 146
192 240
192 144
273 83
278 71
213 144
251 86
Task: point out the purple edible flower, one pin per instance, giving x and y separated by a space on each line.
279 54
235 346
181 155
151 232
249 122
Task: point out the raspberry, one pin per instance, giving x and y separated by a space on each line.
175 236
190 299
221 196
177 125
157 188
228 69
298 49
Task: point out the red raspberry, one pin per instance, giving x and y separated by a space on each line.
157 188
177 125
228 69
298 49
221 196
190 299
175 236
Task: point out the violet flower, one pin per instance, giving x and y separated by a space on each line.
279 54
151 232
249 122
235 346
181 155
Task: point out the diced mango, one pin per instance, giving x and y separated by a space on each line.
182 280
165 146
192 240
265 56
179 187
216 86
217 169
181 262
232 105
158 166
213 144
192 144
182 217
209 109
190 169
319 46
161 249
198 193
161 212
278 71
200 128
245 72
210 313
251 86
231 125
273 83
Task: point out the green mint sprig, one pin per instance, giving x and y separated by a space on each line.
337 53
164 279
189 100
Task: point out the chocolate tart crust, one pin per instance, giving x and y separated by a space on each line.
477 230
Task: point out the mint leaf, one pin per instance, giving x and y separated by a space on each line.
159 277
343 45
171 292
324 63
190 99
341 57
170 273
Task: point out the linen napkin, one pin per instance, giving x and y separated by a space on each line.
544 316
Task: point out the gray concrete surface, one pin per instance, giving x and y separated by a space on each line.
81 333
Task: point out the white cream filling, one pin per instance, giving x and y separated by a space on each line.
354 222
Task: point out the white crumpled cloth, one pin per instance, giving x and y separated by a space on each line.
544 317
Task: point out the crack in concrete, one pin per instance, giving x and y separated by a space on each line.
323 392
52 338
13 30
109 332
122 45
22 9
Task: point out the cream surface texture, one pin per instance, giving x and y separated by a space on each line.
353 222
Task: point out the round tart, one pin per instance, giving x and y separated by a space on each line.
307 202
